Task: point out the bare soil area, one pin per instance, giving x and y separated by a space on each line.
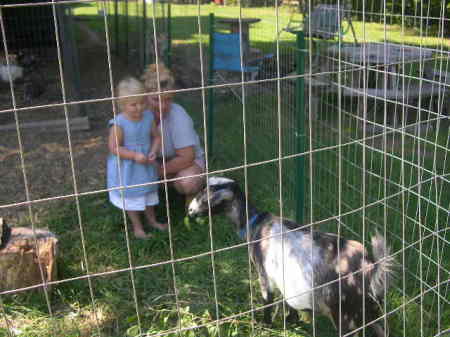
43 166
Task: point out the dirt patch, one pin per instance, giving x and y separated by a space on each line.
52 164
49 167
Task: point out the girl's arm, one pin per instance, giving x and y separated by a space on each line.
115 145
156 139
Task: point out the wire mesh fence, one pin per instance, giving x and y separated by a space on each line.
132 25
347 134
30 51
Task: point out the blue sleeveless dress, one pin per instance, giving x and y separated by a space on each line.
136 137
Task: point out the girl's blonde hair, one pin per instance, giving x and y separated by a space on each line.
150 78
129 86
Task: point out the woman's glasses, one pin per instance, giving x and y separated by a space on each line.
164 98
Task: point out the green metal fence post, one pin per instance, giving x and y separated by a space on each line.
210 122
127 36
169 36
70 51
116 27
300 108
144 36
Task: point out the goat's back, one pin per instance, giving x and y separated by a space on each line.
303 261
288 263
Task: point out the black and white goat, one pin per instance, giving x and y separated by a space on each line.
312 260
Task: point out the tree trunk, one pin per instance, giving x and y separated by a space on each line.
21 255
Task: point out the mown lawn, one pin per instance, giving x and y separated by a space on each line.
352 184
185 28
222 286
190 24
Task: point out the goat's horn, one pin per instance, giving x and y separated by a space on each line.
219 181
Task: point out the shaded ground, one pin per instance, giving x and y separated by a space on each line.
49 167
46 157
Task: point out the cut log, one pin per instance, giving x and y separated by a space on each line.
5 231
21 255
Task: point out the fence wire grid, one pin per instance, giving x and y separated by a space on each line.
347 135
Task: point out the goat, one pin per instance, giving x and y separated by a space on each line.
305 263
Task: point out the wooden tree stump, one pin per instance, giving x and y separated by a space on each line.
20 255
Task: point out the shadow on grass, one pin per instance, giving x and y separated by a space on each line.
217 287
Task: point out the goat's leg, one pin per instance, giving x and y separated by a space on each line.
292 316
379 331
267 296
341 323
372 313
378 327
268 309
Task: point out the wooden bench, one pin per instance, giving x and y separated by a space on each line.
433 74
443 78
409 95
318 84
398 94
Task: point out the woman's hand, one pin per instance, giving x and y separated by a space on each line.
160 170
140 158
151 157
184 158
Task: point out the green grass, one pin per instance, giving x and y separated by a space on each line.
185 28
113 312
204 297
126 32
392 202
114 307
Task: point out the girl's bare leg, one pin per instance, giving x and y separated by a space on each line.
151 218
136 222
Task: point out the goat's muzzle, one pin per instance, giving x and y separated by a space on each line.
193 208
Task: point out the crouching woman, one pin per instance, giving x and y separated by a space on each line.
184 156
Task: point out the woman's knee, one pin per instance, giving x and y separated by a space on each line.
192 180
190 185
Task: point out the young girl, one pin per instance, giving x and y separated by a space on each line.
133 142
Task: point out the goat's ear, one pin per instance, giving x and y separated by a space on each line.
221 195
226 194
219 181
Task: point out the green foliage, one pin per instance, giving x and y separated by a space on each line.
185 29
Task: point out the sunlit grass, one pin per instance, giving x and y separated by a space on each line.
204 296
267 30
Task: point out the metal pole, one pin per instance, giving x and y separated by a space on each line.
70 48
116 27
301 139
143 46
210 121
169 36
127 45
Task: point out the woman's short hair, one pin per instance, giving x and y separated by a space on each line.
129 86
150 78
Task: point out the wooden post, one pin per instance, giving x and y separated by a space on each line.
21 253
